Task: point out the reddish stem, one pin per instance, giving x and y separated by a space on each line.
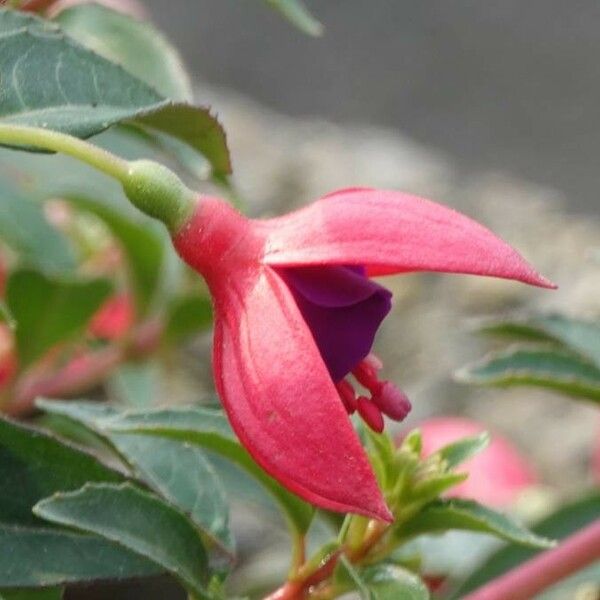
546 569
291 590
37 5
298 589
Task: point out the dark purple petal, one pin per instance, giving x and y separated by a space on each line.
343 309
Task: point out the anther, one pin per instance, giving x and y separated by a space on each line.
366 373
392 401
370 414
347 394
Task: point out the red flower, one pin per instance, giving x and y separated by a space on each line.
276 319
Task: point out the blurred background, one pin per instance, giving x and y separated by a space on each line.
503 85
491 107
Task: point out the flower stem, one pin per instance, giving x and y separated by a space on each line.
313 580
38 137
546 569
149 186
298 554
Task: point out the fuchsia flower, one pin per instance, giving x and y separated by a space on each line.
296 313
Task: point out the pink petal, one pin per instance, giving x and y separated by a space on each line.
280 398
391 232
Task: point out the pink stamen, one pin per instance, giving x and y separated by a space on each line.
347 394
374 362
366 374
385 396
392 401
370 414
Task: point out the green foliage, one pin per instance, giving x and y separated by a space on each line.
389 582
137 46
50 310
24 228
297 14
210 430
183 511
135 384
143 246
467 515
137 520
561 354
34 465
50 80
40 557
187 315
580 336
458 452
413 485
184 477
41 594
179 472
381 582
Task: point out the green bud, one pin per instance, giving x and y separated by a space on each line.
159 193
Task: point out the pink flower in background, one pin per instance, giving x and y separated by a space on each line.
8 358
296 313
114 318
596 461
497 475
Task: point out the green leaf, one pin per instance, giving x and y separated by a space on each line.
543 367
50 80
135 384
136 45
581 336
435 485
196 127
346 574
143 247
6 316
24 228
34 465
138 521
209 429
458 452
183 476
566 520
467 515
178 472
203 427
297 14
46 557
389 582
188 315
50 310
34 594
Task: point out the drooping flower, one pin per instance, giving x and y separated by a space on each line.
296 313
